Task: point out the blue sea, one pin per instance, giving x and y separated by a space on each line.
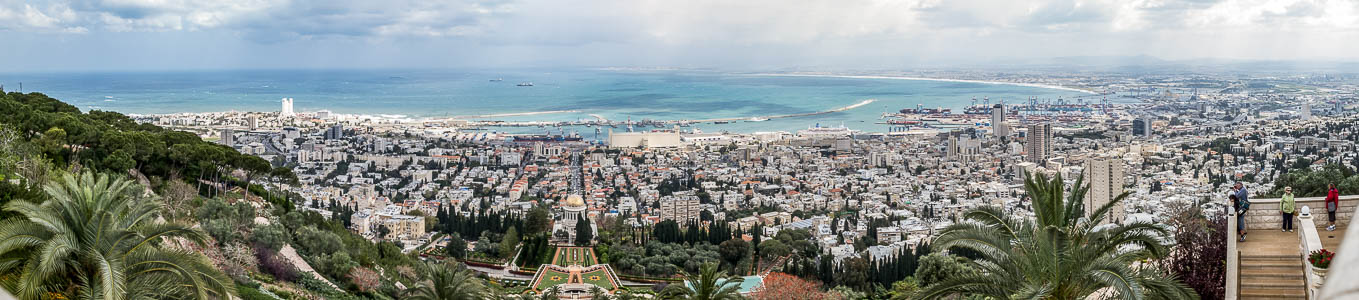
616 95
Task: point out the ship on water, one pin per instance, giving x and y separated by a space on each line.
525 84
979 109
497 79
926 111
822 132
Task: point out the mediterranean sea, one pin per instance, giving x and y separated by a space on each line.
584 93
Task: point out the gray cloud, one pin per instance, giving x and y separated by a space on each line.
685 33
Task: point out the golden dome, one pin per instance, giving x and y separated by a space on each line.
574 201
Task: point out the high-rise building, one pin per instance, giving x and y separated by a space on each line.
963 145
1142 126
1306 110
681 207
287 108
228 137
1038 143
1105 176
998 126
335 132
253 122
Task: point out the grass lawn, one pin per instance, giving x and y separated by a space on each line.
598 277
551 278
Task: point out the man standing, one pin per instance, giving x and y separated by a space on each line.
1243 206
1332 205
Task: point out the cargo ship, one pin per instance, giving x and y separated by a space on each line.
980 109
926 111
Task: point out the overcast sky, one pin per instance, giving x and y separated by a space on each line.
39 35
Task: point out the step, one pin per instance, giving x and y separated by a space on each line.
1272 264
1273 283
1271 274
1273 294
1245 297
1271 256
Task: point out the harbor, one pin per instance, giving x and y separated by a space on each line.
600 120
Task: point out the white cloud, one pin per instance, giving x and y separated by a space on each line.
780 31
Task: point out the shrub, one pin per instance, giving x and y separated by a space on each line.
273 236
248 293
274 264
365 279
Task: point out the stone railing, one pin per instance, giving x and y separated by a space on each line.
1264 212
1233 257
1310 241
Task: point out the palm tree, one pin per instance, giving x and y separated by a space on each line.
446 283
597 293
1063 254
95 238
550 293
709 284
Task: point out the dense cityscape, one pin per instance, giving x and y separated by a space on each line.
811 203
687 150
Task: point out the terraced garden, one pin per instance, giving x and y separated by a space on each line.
562 272
551 277
598 277
581 256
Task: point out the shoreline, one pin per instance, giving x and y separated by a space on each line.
771 117
1034 85
407 118
517 114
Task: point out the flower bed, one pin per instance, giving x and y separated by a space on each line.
1320 258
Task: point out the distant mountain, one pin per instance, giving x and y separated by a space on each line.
1149 64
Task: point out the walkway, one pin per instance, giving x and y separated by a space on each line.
1330 240
1271 265
498 273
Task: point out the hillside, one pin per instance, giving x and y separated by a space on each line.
223 234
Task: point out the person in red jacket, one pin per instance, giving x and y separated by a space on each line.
1332 205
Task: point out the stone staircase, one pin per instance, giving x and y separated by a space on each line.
1272 275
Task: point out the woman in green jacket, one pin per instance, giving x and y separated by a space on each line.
1286 206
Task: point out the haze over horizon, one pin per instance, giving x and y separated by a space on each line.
115 35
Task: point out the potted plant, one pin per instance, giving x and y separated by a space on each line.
1320 261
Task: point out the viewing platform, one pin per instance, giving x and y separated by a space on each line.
1272 264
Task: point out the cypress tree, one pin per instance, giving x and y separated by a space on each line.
583 233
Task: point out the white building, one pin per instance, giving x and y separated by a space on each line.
652 139
573 211
287 108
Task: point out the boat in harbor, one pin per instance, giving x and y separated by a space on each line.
925 111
